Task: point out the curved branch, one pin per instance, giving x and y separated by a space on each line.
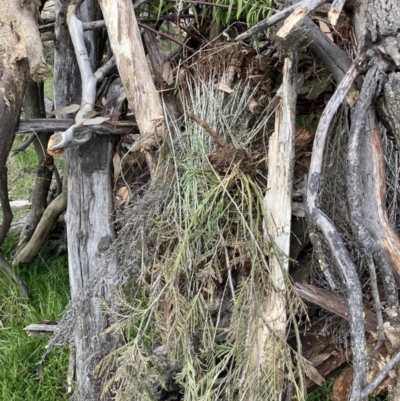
367 390
314 178
340 255
39 237
354 195
34 48
70 137
89 81
25 145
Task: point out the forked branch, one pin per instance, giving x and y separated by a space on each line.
69 138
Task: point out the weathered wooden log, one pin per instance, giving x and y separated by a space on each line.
34 108
21 53
52 124
335 10
40 330
334 58
271 319
43 228
89 222
334 303
126 43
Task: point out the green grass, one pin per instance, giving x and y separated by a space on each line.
21 170
48 84
21 379
322 393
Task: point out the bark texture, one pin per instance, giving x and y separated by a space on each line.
19 40
34 108
67 80
142 95
90 232
278 201
89 217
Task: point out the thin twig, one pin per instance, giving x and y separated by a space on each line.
166 36
367 390
25 145
139 3
219 141
203 3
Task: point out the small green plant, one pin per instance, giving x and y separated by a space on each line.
22 376
322 393
48 84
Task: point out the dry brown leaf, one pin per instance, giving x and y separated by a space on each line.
342 385
72 108
224 87
94 121
325 29
122 197
313 373
117 166
252 106
167 75
318 359
90 114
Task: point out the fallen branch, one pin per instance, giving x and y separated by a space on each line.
309 5
334 303
123 127
335 10
43 229
69 137
370 388
316 218
126 43
40 330
335 59
25 145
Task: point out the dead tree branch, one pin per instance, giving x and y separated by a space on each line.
335 10
25 145
89 81
308 5
373 384
126 43
43 229
368 245
316 218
